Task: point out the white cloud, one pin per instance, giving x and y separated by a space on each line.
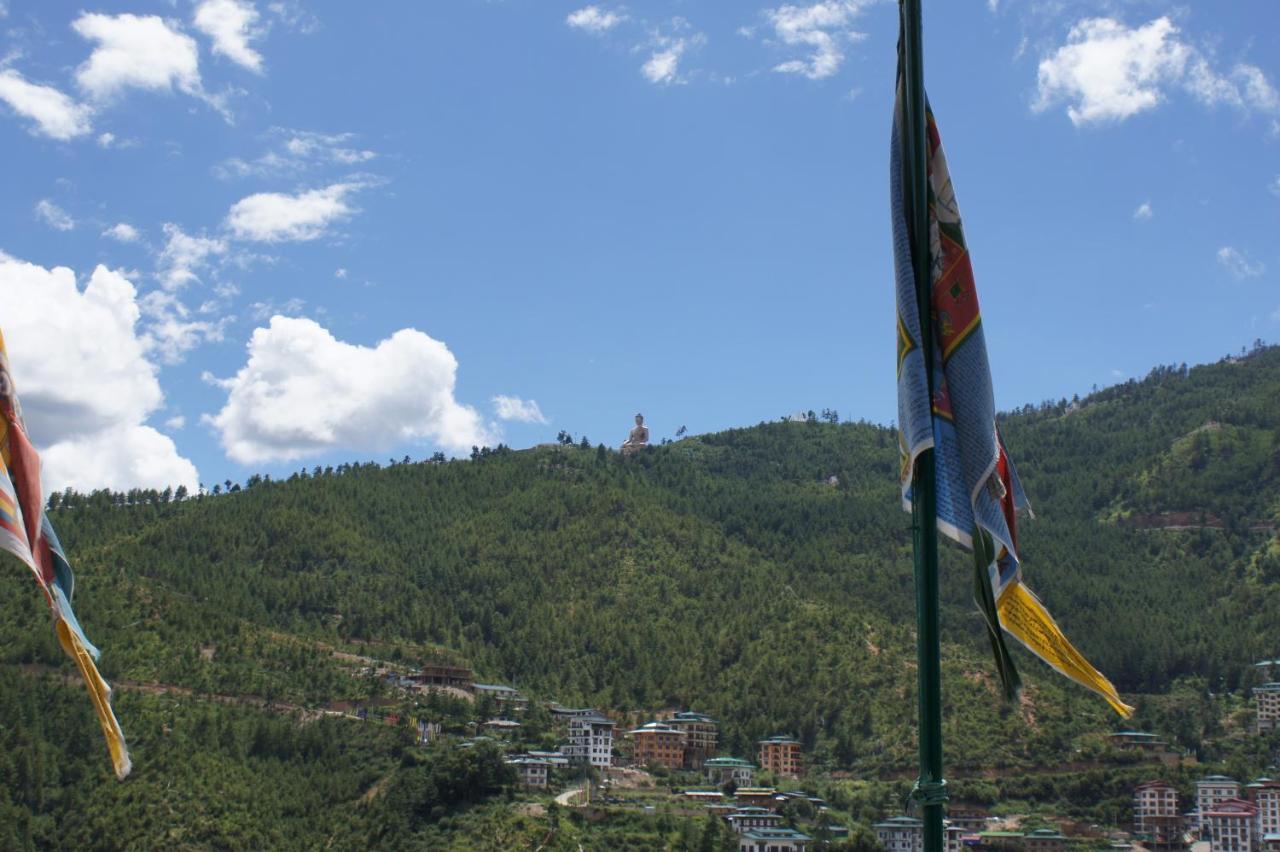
1108 72
231 24
123 232
515 408
1274 186
275 217
593 19
176 422
1238 263
171 332
304 392
292 14
54 216
340 272
293 152
184 255
667 49
262 310
135 51
55 114
823 28
84 381
663 65
1144 211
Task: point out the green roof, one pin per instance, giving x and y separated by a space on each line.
726 762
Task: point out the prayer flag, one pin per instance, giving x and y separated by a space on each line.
978 492
25 531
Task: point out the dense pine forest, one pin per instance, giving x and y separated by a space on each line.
761 575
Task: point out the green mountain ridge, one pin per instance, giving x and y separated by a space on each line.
721 572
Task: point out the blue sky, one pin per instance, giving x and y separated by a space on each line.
256 236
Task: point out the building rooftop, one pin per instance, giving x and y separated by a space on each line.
690 716
776 834
728 762
655 728
1216 779
900 822
780 740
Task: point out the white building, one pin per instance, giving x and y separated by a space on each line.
901 834
532 771
1265 796
1212 791
590 740
1230 826
1267 697
1155 813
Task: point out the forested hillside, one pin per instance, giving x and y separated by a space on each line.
723 572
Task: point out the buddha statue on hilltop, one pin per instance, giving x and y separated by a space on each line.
638 439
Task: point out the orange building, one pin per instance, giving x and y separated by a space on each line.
658 744
781 756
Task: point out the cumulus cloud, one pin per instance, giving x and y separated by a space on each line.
122 232
231 24
515 408
276 217
183 256
176 422
1144 211
304 392
86 385
594 20
1238 263
1107 71
822 28
54 216
135 51
54 114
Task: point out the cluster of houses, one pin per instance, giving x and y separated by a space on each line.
1231 817
684 741
966 832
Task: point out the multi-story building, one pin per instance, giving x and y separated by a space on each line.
781 756
722 770
659 744
744 819
445 675
1155 814
700 737
590 740
773 840
1044 840
1229 826
1267 697
1212 791
953 837
532 771
1264 794
900 834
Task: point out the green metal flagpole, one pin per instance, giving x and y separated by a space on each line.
930 790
